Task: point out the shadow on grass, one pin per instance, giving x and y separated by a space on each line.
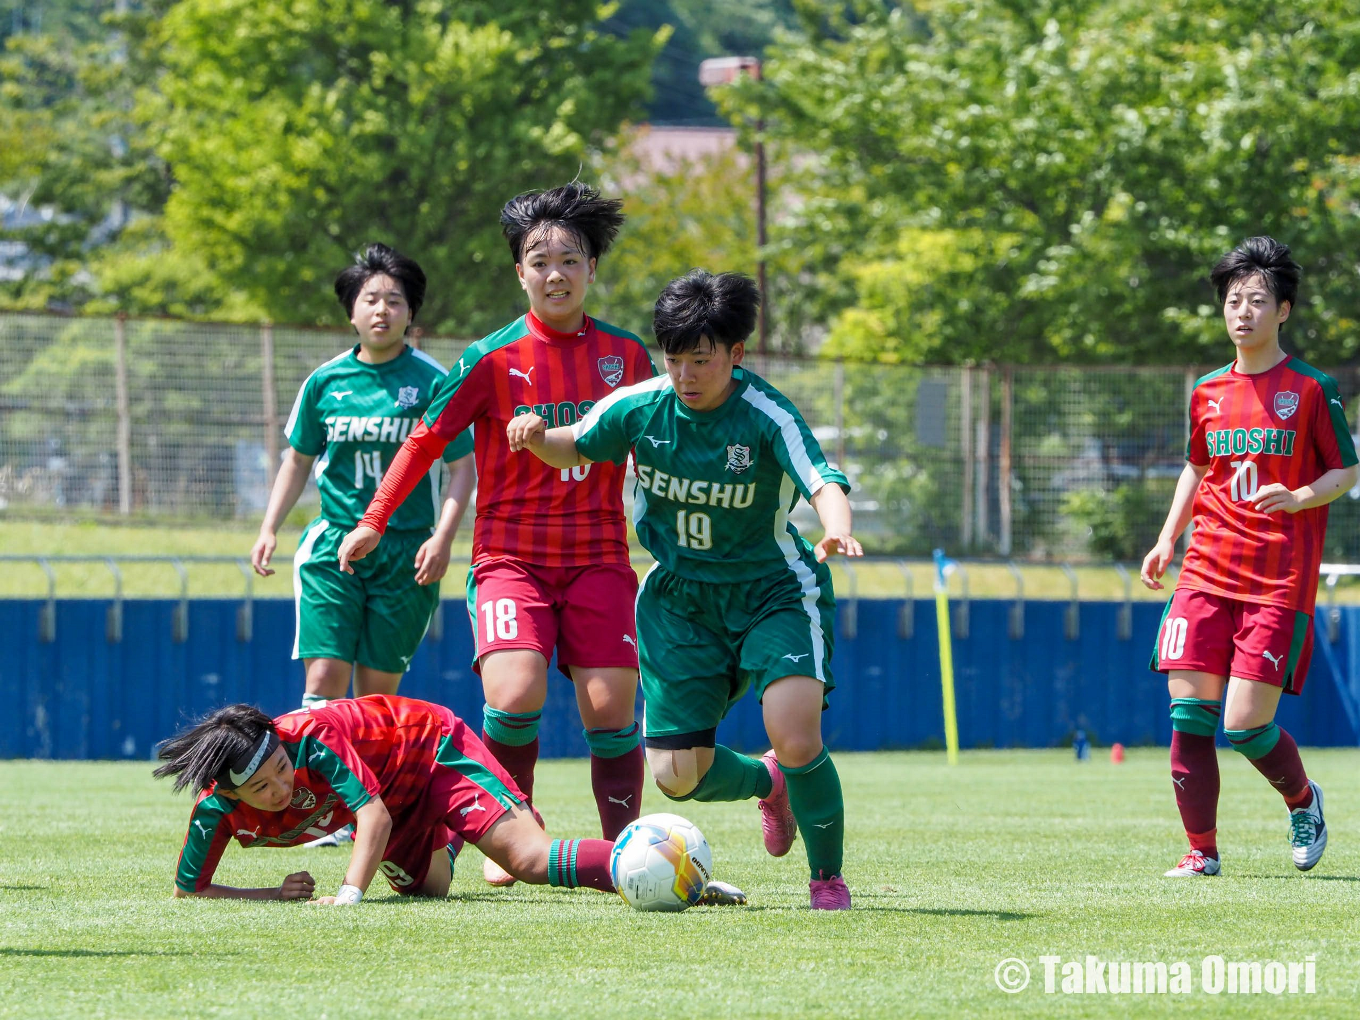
1304 878
21 888
5 951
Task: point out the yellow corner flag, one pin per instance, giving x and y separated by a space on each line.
943 568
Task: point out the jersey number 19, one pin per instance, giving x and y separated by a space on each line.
694 530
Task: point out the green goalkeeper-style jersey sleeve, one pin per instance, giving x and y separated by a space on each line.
792 442
610 429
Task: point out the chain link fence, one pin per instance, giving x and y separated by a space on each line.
184 421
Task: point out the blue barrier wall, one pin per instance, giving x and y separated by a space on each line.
84 696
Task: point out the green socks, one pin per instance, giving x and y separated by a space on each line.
732 777
815 797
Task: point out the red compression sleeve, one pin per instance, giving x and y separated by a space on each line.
421 449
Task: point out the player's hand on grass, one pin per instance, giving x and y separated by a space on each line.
525 430
357 544
830 545
262 552
1273 498
432 560
298 886
1155 564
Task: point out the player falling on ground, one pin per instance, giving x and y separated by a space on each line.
550 550
1269 448
738 599
410 777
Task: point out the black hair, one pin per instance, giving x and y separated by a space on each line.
1258 255
577 208
700 304
380 260
195 756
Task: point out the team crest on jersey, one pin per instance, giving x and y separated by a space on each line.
738 458
303 798
611 369
407 396
1286 404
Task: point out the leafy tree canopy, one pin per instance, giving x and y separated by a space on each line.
1034 180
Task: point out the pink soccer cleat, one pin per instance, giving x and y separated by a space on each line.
830 893
777 825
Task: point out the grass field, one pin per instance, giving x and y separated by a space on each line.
876 579
1010 854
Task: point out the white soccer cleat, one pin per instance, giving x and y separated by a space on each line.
341 836
721 894
1193 865
1308 832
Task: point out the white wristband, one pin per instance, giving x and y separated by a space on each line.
349 895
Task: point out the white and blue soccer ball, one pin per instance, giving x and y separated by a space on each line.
661 862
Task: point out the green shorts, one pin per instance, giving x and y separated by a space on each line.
376 616
702 645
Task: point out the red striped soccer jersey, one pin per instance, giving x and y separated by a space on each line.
1286 425
527 510
344 753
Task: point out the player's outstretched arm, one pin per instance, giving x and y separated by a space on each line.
432 558
297 886
833 510
1182 505
288 486
372 826
555 447
1274 498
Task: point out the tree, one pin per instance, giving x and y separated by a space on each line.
69 146
695 214
314 126
997 179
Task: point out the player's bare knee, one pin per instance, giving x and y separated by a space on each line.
797 751
675 772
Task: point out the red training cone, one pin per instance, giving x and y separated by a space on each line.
1116 753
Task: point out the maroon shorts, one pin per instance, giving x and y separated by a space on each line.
468 792
1227 637
586 613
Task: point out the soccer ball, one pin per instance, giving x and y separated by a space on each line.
661 862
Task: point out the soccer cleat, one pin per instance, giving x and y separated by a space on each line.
1308 832
830 893
1194 864
777 825
721 894
494 874
344 834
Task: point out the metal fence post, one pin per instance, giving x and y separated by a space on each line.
124 432
981 502
840 413
1003 483
271 400
966 442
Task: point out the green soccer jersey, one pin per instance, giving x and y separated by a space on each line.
353 416
714 488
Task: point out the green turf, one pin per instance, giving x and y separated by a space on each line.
1011 854
872 579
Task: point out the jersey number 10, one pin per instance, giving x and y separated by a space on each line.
1243 484
694 530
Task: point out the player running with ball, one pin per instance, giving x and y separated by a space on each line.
550 548
738 600
1269 448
